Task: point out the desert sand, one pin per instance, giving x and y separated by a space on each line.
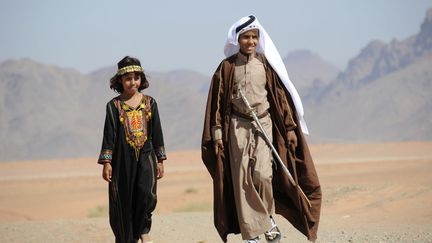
371 193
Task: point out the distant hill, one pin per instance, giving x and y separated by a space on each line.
41 114
308 71
382 95
50 112
395 107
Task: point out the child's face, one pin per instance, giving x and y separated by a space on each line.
248 41
131 83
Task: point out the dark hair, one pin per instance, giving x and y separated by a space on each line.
135 65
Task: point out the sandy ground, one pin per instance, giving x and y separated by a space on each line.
372 193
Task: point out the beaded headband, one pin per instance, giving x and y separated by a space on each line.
129 69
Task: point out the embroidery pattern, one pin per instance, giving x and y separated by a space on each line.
105 156
160 153
135 122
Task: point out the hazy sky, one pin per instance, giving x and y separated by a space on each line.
190 34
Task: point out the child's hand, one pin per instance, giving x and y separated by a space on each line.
160 170
292 138
218 146
107 172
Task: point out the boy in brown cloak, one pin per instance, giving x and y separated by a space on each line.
246 192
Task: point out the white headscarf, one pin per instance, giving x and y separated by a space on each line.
266 47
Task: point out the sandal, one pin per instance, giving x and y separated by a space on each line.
273 235
254 240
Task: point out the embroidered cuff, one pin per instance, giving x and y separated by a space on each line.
105 156
160 153
216 133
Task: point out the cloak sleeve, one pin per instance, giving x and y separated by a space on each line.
108 135
212 121
156 130
216 121
225 215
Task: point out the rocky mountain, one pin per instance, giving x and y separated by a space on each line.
382 95
309 71
378 59
395 107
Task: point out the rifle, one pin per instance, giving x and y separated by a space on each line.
270 143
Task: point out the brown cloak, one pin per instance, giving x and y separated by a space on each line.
288 201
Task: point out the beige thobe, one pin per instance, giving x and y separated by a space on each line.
250 156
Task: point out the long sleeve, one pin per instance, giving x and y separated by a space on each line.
109 131
216 123
157 134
